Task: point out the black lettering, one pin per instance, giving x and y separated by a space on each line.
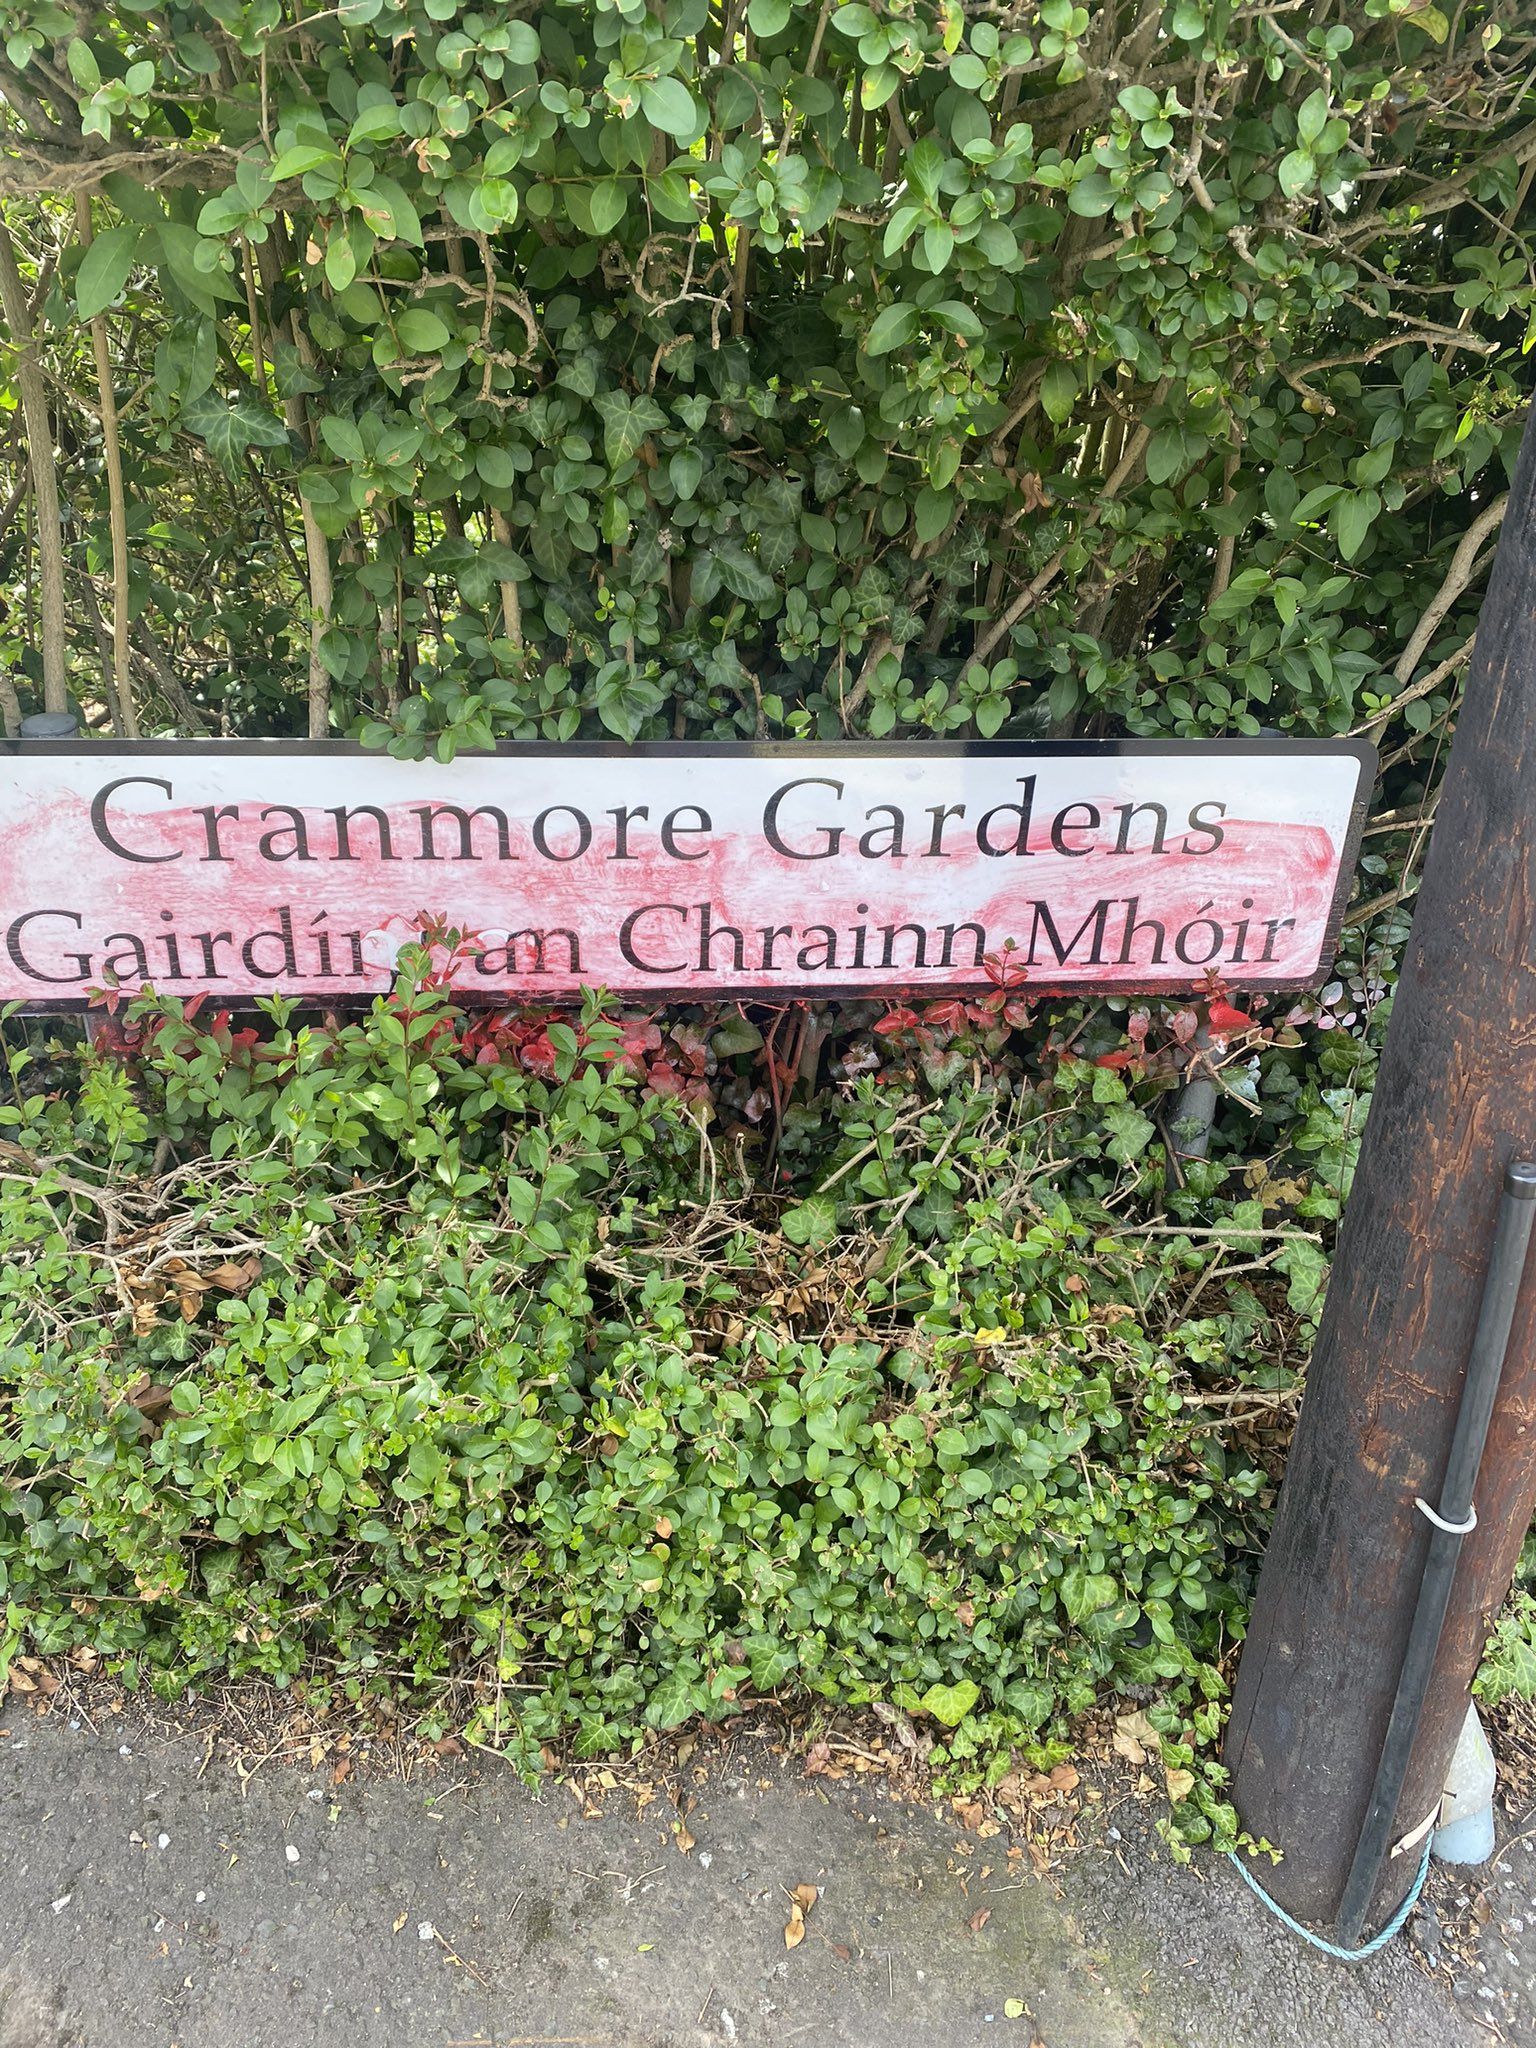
941 815
621 817
1061 825
950 932
465 822
213 815
116 967
172 951
670 829
284 938
1214 833
1132 932
709 932
1022 812
627 939
894 830
1274 926
1097 917
20 960
833 834
535 943
828 954
1196 924
103 832
208 941
771 935
1159 831
344 814
892 932
297 830
541 835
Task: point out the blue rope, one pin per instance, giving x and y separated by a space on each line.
1343 1955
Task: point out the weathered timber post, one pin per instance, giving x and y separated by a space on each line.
1455 1103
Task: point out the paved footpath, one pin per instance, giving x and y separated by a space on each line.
150 1899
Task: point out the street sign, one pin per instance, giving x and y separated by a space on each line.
303 868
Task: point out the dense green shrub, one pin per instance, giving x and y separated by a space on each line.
442 374
771 368
430 1350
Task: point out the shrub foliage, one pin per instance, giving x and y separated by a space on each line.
441 374
775 368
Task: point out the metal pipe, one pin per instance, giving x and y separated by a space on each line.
1452 1522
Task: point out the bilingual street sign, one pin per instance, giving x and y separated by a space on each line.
300 868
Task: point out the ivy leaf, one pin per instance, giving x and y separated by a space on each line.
672 1701
104 269
626 422
813 1221
230 426
950 1703
686 471
669 106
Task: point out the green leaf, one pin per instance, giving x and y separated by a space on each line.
1312 117
686 471
104 269
950 1703
1091 196
1058 392
626 422
230 426
671 1701
1130 1132
811 1222
1296 172
893 327
605 202
669 106
932 512
767 18
1140 102
1352 518
421 333
1083 1592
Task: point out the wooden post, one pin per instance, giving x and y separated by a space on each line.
1455 1103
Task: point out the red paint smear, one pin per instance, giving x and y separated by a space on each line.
54 861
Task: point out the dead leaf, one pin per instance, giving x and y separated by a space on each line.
398 1922
844 1955
794 1927
1134 1737
1180 1784
979 1919
682 1837
234 1276
1064 1778
663 1527
805 1896
341 1770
